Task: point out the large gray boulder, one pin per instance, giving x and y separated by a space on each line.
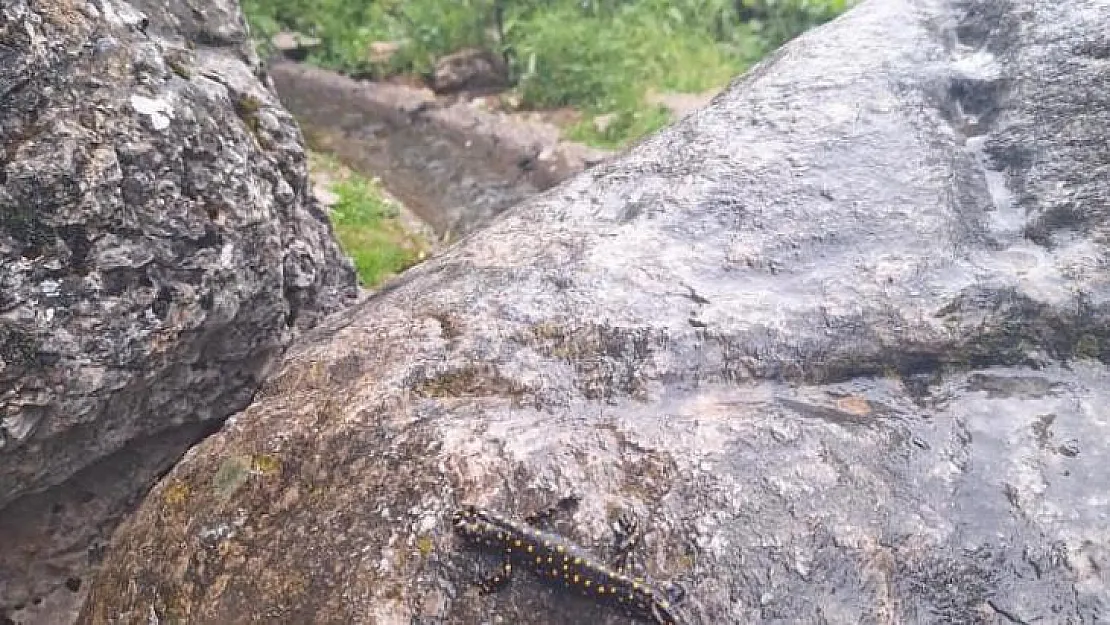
158 250
839 340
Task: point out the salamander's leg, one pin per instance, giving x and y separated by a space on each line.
664 614
498 580
627 535
539 519
675 592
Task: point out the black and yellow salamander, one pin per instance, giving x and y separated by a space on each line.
555 560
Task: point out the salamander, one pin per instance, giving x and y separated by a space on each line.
555 560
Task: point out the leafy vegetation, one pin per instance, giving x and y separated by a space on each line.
599 56
367 225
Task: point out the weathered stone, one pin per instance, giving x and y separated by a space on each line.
295 46
473 70
157 251
840 339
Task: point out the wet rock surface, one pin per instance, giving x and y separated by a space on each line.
838 340
158 251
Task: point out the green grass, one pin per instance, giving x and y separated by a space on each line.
598 56
428 28
628 51
369 231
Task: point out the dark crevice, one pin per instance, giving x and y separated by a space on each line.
979 102
987 25
162 302
1067 217
77 240
110 488
212 237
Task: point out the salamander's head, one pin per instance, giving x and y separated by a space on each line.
465 520
475 524
464 514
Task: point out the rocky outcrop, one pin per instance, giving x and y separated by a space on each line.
839 340
157 252
453 164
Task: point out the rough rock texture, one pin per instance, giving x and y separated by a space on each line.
840 340
454 165
472 70
157 251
